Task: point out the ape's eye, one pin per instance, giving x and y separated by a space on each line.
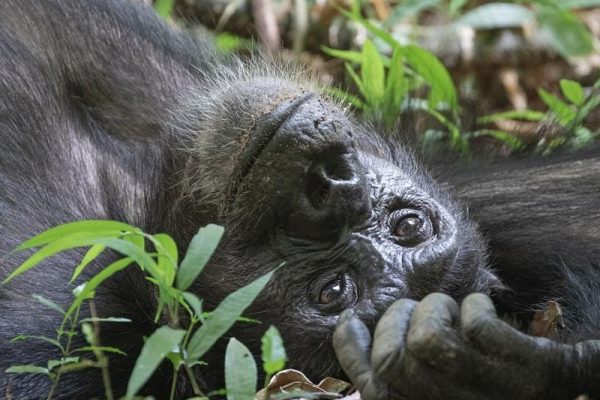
337 294
411 227
331 292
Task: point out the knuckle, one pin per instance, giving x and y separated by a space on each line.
430 342
477 326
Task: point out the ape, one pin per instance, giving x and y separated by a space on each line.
106 112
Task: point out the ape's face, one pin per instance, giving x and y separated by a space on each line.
355 221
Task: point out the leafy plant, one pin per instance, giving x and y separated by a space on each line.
386 84
182 346
566 33
569 114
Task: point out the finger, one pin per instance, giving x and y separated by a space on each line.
351 341
432 337
389 337
481 326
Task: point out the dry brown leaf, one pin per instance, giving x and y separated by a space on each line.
546 323
290 380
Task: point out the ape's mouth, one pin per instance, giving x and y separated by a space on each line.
265 129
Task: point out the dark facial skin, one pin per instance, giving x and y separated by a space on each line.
108 113
356 229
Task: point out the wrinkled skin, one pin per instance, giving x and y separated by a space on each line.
107 113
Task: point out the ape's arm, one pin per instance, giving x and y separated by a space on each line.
419 351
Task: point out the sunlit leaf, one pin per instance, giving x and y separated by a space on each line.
90 256
435 74
572 91
101 227
273 351
73 240
168 256
372 74
563 112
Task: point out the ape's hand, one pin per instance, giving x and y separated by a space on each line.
419 351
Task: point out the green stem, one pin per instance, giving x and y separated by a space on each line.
173 384
193 382
67 349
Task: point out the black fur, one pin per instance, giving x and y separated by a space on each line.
108 113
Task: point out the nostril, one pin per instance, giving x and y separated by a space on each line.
339 169
334 196
318 188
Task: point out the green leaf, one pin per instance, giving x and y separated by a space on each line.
347 55
409 8
563 112
49 303
273 352
194 302
435 74
396 88
73 240
52 341
574 4
372 74
164 7
526 115
572 91
101 227
355 78
455 6
90 286
168 257
496 15
569 35
105 349
90 256
513 142
224 316
107 319
138 240
57 363
163 341
240 371
371 27
227 42
202 246
88 332
134 252
27 369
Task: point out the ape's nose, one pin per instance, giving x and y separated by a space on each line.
334 196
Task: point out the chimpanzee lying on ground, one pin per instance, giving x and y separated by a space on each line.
105 112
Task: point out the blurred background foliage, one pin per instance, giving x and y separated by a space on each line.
476 76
